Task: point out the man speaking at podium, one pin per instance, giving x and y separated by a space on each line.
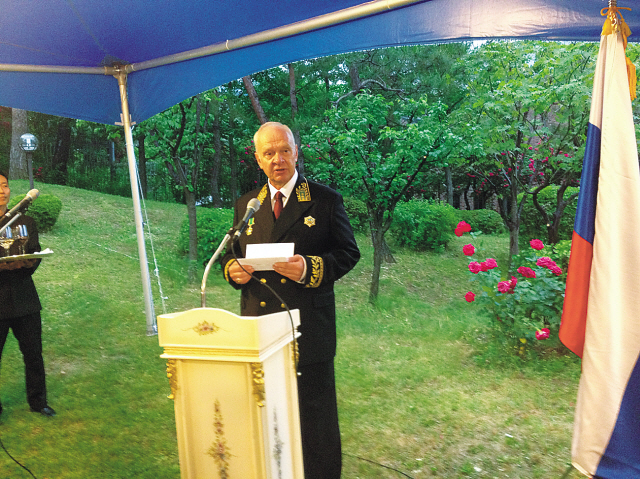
312 216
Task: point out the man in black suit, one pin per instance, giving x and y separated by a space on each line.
20 309
313 217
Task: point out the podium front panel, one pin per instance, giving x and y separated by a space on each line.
234 385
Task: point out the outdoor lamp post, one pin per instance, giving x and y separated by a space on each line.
29 144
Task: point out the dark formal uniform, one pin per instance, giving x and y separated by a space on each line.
315 220
20 310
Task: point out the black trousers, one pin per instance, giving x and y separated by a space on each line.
28 332
321 447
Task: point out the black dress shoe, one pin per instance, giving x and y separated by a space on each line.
45 411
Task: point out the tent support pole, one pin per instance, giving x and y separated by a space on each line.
152 328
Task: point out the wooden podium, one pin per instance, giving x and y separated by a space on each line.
233 383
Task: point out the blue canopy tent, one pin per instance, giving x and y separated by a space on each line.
61 56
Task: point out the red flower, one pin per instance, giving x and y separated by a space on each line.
542 334
536 244
504 286
468 250
464 227
556 270
491 263
484 266
475 267
526 272
546 262
470 297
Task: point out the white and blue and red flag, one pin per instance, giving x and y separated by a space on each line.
601 316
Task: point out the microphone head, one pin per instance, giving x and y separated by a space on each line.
33 194
254 204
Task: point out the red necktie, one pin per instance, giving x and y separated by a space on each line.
277 207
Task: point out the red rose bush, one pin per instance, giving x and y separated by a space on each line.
524 306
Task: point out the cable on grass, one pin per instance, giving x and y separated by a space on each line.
14 460
378 464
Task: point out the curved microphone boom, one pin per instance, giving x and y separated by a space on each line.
252 207
23 204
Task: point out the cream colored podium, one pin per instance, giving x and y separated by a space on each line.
234 387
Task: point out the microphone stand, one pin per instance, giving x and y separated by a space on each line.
223 244
203 302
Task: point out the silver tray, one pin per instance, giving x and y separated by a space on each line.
20 257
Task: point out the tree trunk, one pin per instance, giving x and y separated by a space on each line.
142 165
217 155
449 179
60 160
18 168
294 112
112 163
233 155
381 252
377 237
255 102
190 199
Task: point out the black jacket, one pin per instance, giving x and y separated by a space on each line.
18 295
315 220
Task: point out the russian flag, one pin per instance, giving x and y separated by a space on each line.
601 316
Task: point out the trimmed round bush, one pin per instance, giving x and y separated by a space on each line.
357 213
488 221
423 225
212 224
531 223
45 210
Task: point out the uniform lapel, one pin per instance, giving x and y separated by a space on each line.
290 214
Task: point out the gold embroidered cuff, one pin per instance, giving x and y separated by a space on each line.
226 270
317 272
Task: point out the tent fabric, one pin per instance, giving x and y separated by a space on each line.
93 33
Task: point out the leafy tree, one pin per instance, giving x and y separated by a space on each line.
530 101
181 138
373 149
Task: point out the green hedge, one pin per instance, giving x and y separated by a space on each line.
423 225
531 223
45 210
212 224
357 213
487 221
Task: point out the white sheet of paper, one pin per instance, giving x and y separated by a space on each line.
262 255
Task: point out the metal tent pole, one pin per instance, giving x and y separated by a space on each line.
152 327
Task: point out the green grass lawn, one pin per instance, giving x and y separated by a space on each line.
421 392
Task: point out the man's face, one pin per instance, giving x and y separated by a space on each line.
277 154
5 192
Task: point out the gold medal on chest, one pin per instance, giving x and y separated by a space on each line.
309 221
250 227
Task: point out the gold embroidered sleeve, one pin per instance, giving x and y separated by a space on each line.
317 272
226 270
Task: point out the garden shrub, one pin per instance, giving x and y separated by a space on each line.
423 225
487 221
212 224
531 222
45 210
357 213
524 306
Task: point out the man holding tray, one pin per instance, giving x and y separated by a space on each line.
313 218
20 309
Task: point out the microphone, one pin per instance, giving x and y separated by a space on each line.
23 204
252 207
